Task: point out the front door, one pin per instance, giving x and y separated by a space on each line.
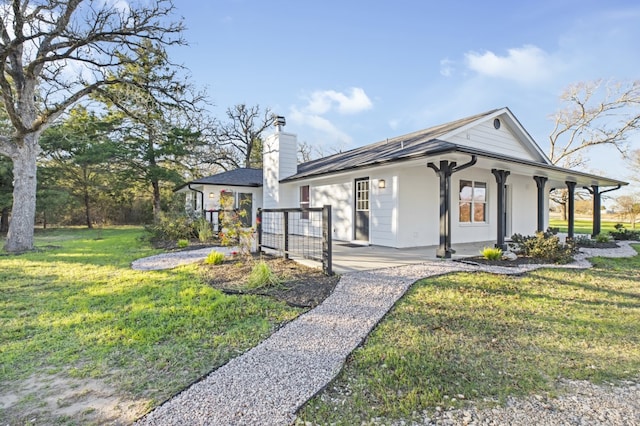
361 216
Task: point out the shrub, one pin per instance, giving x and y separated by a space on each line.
492 253
214 258
583 241
545 246
204 229
624 234
603 238
234 231
262 276
171 228
182 243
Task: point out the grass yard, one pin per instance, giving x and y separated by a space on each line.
479 337
74 315
584 226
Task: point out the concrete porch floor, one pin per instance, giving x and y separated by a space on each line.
352 259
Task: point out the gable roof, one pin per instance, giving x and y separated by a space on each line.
422 143
238 177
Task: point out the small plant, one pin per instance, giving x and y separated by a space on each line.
624 234
182 243
214 258
205 232
583 241
262 276
492 253
603 238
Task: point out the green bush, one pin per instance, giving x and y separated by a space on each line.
621 233
172 228
544 246
204 229
182 243
492 253
603 238
262 276
214 258
583 241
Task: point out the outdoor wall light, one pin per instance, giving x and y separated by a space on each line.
382 183
211 195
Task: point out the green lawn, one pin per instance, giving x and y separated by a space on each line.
75 308
482 337
583 226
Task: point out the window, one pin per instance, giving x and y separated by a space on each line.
245 208
362 195
473 201
304 201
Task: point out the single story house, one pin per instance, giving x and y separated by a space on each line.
480 178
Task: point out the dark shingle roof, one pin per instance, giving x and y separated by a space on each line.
237 177
417 144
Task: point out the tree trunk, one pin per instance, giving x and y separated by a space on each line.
87 209
23 213
86 198
156 200
4 220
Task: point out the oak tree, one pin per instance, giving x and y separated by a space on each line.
593 113
53 54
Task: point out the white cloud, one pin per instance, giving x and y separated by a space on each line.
356 100
321 124
528 64
323 102
446 67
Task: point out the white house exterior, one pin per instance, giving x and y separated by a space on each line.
480 178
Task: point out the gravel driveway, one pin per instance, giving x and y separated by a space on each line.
266 385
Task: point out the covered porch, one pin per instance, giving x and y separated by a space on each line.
545 177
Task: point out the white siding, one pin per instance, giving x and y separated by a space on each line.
383 203
339 194
279 162
485 137
523 196
418 207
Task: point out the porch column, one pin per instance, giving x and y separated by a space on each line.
541 181
597 207
571 187
501 180
444 172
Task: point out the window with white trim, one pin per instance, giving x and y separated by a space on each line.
473 201
304 201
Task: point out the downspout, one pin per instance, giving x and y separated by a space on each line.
201 198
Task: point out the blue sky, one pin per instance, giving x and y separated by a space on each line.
347 73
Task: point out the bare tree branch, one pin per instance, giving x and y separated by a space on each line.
239 140
585 122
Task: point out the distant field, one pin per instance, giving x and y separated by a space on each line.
583 226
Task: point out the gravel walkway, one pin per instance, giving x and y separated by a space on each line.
176 258
266 385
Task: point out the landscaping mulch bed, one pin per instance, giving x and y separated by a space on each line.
301 286
521 260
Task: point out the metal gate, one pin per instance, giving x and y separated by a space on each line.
297 232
